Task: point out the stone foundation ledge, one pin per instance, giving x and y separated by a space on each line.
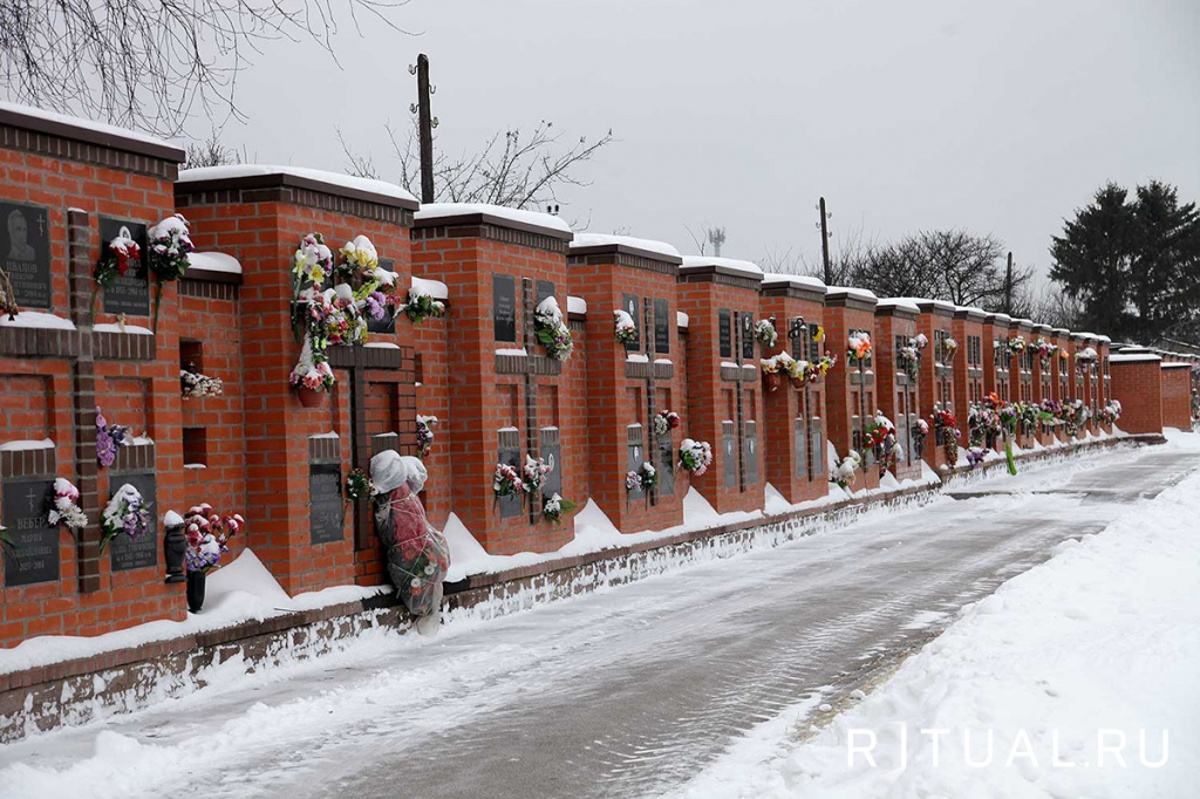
79 690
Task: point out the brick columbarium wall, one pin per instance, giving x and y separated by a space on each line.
939 372
508 399
1176 395
795 457
725 402
1138 385
897 397
997 362
628 385
1022 369
969 372
852 388
295 456
68 188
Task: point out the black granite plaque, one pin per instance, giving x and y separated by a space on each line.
729 455
800 442
141 552
637 456
816 451
750 452
545 288
551 452
747 336
725 332
511 505
33 558
814 346
129 294
25 247
666 466
630 303
388 323
325 502
662 327
504 307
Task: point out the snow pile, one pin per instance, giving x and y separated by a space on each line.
1096 649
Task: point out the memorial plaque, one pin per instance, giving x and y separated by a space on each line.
800 441
666 466
747 336
388 323
630 303
662 327
725 332
141 552
545 288
729 455
510 506
25 246
817 450
504 307
129 294
750 452
325 502
551 452
33 558
637 456
814 346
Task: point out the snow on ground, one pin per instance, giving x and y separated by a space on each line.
1082 671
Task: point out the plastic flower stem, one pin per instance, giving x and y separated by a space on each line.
1008 456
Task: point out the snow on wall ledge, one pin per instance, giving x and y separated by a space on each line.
440 210
207 173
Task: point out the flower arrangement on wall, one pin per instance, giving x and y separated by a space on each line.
1110 414
207 535
64 508
425 425
167 253
845 471
421 305
119 256
946 427
109 438
1063 355
555 506
664 422
776 367
1017 345
695 456
194 385
880 434
949 347
625 331
919 433
507 482
358 485
858 348
908 357
125 513
551 330
1044 349
534 473
764 332
646 478
1086 355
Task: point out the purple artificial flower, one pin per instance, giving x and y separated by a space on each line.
375 305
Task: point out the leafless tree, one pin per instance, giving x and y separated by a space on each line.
513 169
211 152
149 64
1056 307
848 256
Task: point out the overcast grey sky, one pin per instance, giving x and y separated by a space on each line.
999 118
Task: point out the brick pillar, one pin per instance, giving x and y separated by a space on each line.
1137 385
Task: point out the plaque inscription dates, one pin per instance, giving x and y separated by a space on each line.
747 335
504 307
141 552
129 294
325 502
25 253
33 557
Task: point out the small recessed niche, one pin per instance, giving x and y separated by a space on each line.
191 355
195 446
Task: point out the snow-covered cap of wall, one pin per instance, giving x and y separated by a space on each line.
999 317
46 321
499 212
582 240
1105 339
682 319
940 305
109 131
433 288
797 281
1134 357
1028 322
380 187
576 305
902 303
746 268
214 262
848 291
1060 331
969 309
1176 365
1091 336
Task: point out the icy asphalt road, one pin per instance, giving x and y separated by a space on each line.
628 692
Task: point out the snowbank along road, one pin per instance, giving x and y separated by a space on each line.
626 692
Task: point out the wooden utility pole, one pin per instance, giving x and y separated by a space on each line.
425 123
825 243
1008 286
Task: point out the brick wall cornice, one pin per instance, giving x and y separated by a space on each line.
620 255
55 139
287 189
721 277
492 228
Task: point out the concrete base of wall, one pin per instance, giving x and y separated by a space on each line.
77 691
